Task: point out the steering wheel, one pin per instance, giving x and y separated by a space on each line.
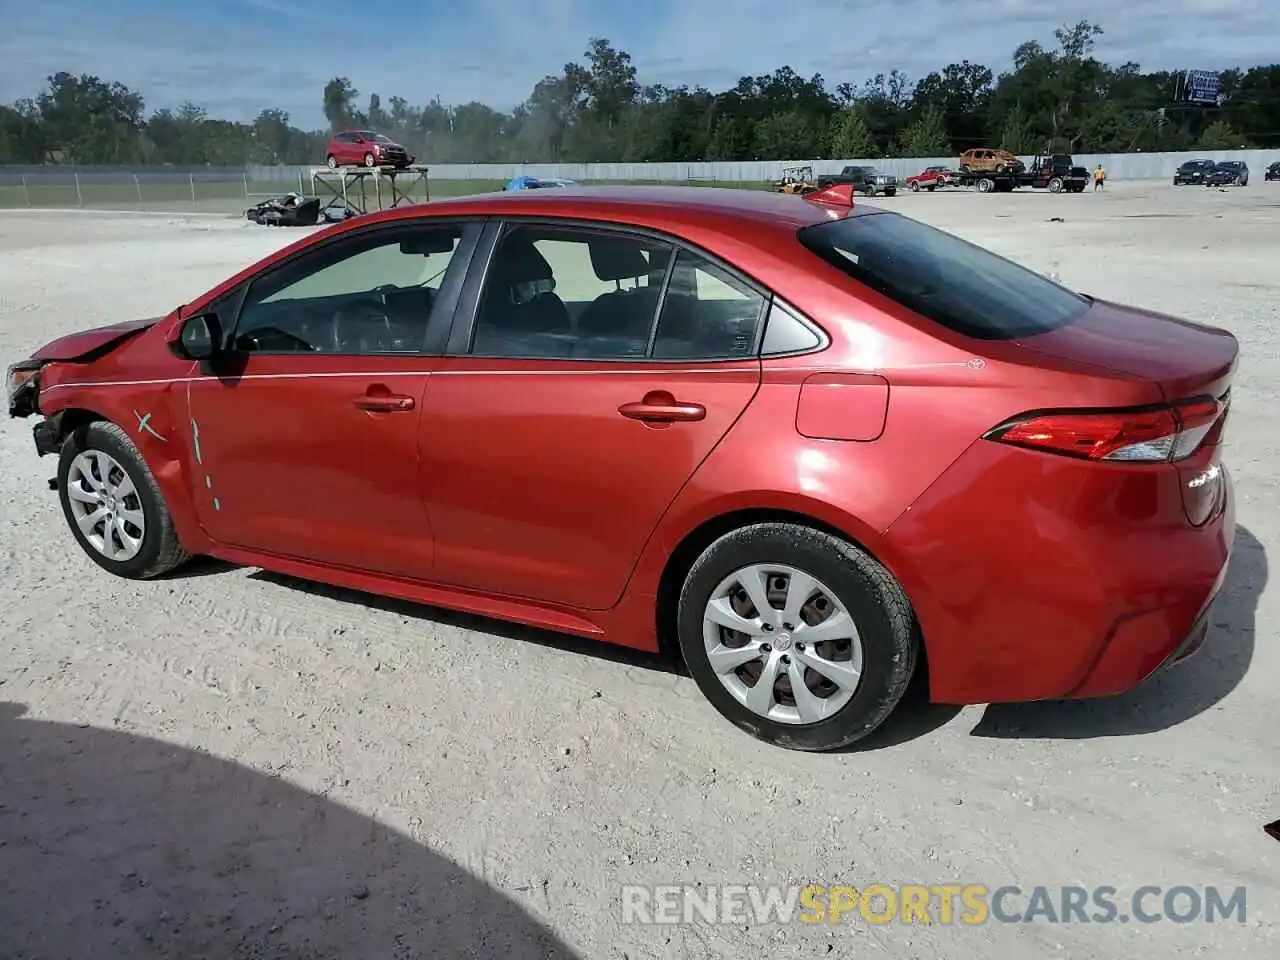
273 338
361 313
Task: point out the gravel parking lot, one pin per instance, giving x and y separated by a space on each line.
231 764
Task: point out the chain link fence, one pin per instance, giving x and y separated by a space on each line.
207 191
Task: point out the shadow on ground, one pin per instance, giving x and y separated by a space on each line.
1165 700
1170 697
466 621
914 717
113 845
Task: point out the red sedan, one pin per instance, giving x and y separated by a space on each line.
811 445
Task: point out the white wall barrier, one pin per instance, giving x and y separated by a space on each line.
1119 166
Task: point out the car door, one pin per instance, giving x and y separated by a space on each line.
306 439
590 372
342 149
351 149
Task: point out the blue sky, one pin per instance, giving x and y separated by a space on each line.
236 57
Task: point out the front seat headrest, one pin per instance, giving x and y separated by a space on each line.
519 261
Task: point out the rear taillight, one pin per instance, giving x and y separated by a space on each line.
1136 435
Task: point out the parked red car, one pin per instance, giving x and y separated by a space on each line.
810 444
930 178
365 148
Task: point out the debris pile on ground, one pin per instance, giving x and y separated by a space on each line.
290 210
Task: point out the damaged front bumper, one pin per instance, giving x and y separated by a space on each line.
45 434
23 388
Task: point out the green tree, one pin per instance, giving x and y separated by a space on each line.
1016 133
926 136
1219 136
340 105
788 136
851 137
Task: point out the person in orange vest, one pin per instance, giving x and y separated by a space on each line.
1099 178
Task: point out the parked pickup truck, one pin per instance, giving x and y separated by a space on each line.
866 180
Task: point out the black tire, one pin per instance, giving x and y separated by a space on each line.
1056 185
891 192
914 186
160 551
368 159
885 622
869 190
332 161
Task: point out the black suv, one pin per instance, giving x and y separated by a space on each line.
1228 173
1193 171
1273 172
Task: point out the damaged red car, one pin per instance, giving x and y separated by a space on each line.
809 447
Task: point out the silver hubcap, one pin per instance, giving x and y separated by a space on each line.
105 505
782 644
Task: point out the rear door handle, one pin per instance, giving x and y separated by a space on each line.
381 400
662 407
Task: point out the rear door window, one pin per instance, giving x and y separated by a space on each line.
961 286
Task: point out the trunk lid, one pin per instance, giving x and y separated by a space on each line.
1182 358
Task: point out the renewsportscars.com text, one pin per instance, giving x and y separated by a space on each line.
945 904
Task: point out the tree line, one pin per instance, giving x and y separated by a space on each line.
1057 96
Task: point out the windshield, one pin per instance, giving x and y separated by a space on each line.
960 285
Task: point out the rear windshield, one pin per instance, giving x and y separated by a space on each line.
950 281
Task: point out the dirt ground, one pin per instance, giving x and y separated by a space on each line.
231 764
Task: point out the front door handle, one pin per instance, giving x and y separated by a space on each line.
661 407
381 400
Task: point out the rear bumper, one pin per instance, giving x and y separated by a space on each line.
1039 578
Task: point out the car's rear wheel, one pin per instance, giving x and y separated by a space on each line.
796 636
113 505
332 161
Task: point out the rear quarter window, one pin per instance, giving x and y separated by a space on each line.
954 283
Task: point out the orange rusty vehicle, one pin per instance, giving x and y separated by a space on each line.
990 160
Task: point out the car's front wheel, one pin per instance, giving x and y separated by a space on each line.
113 505
796 636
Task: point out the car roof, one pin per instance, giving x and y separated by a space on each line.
718 207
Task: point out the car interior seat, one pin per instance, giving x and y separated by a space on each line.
520 311
622 313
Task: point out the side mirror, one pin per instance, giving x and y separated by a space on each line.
200 337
